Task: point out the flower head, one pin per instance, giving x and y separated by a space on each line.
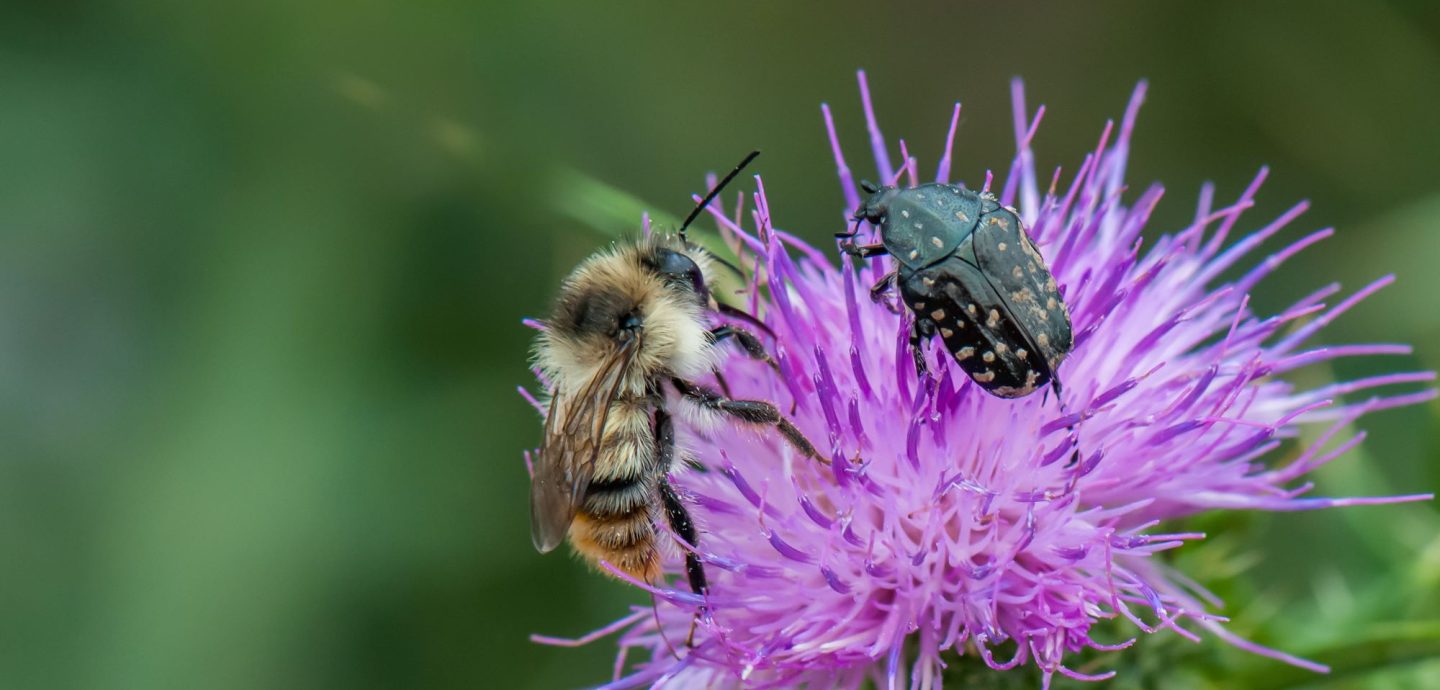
950 520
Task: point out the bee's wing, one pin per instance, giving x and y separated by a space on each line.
566 462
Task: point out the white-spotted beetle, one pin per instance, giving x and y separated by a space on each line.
968 271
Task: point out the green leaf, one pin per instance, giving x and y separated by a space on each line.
1378 648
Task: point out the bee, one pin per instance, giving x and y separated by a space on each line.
630 324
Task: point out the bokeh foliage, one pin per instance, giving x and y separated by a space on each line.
264 266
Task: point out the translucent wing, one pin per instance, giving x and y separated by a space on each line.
573 430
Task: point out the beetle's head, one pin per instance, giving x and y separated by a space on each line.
874 208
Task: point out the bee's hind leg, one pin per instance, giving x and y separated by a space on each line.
677 516
758 412
684 528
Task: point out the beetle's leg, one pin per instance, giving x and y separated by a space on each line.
1074 437
878 290
855 230
863 251
758 412
918 334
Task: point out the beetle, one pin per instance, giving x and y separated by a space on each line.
968 271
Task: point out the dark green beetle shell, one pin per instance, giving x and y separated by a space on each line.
923 225
990 297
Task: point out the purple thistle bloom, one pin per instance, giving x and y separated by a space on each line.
950 520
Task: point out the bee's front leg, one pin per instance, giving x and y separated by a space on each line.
748 342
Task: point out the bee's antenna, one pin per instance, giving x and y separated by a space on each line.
714 193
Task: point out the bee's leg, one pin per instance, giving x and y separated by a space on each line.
684 527
676 514
747 317
748 342
750 411
752 346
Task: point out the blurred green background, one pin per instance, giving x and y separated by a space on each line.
264 265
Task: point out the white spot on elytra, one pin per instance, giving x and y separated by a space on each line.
960 216
972 309
914 253
1022 353
904 213
1050 303
1017 273
1001 348
936 241
988 356
938 314
985 376
964 353
946 333
1002 246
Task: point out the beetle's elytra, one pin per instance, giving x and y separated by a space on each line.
968 272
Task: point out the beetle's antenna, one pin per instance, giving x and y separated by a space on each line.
714 193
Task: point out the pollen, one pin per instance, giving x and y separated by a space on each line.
960 216
1017 272
1001 348
972 309
1022 353
937 242
1043 339
1051 303
993 319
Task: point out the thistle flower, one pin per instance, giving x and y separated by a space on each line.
948 519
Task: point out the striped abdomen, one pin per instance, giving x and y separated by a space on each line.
615 521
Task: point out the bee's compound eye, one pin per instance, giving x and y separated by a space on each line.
672 263
679 269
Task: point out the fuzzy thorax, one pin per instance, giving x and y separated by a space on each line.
619 285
